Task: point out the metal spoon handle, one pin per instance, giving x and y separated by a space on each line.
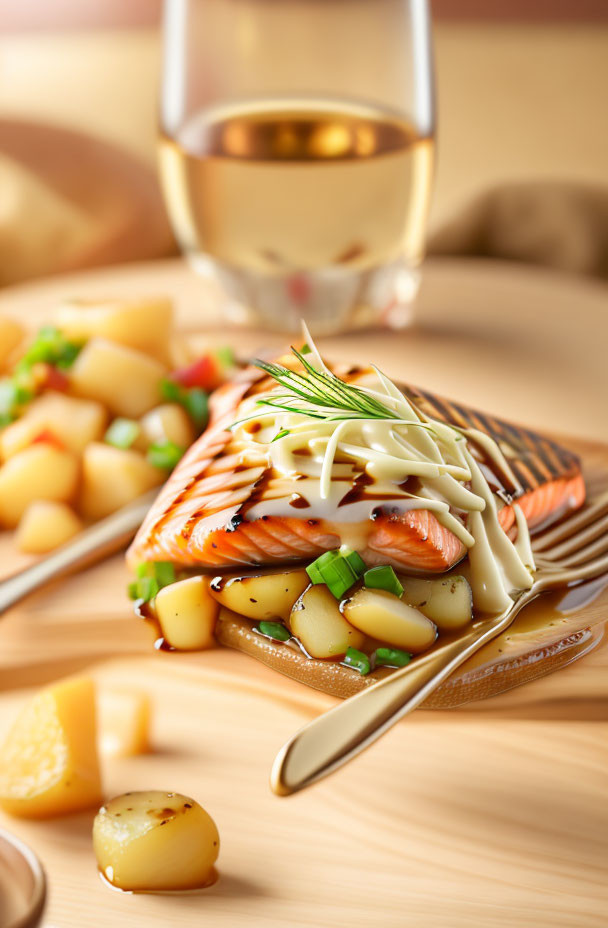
92 544
336 737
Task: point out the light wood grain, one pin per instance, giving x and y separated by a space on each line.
487 816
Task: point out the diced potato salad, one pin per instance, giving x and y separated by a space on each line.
96 408
334 609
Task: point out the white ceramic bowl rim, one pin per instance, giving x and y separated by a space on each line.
32 869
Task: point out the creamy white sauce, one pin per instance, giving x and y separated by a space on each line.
318 459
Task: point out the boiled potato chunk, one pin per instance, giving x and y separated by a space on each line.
113 477
144 324
45 525
187 614
168 422
125 380
263 596
40 471
317 621
49 764
75 422
383 616
448 602
155 841
11 334
124 722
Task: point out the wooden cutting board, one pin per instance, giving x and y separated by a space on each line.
490 815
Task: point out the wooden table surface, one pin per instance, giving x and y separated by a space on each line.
492 815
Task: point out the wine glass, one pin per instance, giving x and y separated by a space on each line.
296 154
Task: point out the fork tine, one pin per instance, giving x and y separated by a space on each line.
583 555
575 523
557 578
578 540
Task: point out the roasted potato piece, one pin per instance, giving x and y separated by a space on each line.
124 722
317 621
143 324
11 334
387 618
45 525
447 601
155 841
74 422
125 380
168 422
261 596
187 614
113 477
49 764
41 471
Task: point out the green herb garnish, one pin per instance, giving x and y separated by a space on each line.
274 630
13 397
122 433
391 657
325 396
165 454
383 578
358 661
193 399
338 569
51 346
225 355
152 576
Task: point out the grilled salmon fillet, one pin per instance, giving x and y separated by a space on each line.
200 516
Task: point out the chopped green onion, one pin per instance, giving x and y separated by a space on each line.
338 569
354 560
170 390
274 630
52 347
383 578
281 434
225 356
152 576
392 657
193 399
145 589
122 433
305 349
165 455
13 397
197 406
358 661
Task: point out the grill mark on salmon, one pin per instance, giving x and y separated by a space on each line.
200 516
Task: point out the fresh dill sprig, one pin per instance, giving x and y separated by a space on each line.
325 396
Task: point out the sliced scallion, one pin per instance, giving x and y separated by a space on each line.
193 399
152 576
165 455
51 346
392 657
383 578
122 433
338 569
358 661
274 630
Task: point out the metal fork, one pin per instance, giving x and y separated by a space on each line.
575 550
91 545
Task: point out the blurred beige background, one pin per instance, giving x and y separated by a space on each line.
518 100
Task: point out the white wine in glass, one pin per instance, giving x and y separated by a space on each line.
303 185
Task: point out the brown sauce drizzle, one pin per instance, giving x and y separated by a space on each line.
298 502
